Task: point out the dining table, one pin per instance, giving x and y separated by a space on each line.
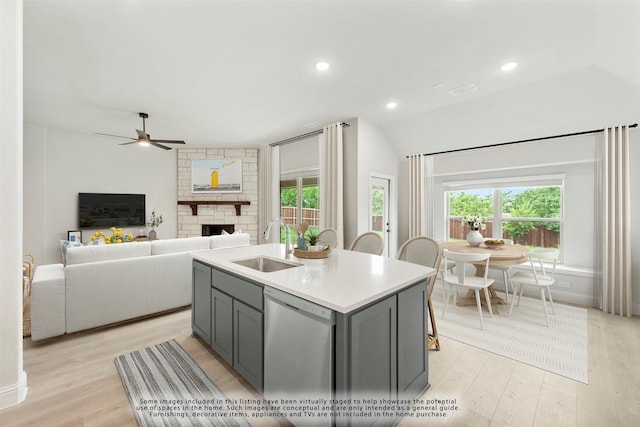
503 255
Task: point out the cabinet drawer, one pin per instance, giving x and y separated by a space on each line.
243 290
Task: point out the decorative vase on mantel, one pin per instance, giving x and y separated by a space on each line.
152 235
474 238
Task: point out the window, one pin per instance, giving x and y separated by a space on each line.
299 202
527 210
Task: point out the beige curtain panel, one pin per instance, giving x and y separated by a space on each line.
331 176
416 195
616 222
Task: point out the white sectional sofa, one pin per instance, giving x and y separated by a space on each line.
105 284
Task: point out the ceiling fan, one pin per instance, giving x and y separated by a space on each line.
143 137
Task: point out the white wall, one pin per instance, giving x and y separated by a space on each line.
367 152
13 379
58 165
376 157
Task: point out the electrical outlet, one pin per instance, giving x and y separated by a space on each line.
564 284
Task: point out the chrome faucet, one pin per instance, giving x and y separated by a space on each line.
287 239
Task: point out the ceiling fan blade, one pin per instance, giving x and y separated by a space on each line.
167 141
127 143
117 136
155 144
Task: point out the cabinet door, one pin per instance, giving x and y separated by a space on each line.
248 349
413 363
222 324
373 350
201 301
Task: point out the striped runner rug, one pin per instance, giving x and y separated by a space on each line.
561 348
166 387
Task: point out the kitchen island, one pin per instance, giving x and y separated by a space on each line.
351 326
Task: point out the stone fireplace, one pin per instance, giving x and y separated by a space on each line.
217 212
215 229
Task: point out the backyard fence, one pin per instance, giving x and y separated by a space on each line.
540 236
290 216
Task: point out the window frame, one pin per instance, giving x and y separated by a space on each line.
498 185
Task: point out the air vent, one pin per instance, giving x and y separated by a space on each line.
463 90
313 125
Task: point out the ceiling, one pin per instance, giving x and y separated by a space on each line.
242 73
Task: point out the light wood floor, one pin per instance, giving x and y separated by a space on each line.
73 381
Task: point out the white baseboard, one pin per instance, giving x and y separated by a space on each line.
14 393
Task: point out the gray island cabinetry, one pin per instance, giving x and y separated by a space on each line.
376 309
227 314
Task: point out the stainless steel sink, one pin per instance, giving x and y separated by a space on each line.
266 264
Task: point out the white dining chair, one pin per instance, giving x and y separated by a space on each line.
452 282
328 236
427 252
538 277
506 269
369 242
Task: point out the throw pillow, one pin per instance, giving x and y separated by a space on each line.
64 245
98 241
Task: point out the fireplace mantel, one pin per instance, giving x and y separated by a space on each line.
194 204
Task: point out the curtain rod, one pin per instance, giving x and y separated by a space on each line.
521 141
303 136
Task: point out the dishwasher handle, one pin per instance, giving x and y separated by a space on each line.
292 307
298 304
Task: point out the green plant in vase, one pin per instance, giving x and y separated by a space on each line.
312 237
154 222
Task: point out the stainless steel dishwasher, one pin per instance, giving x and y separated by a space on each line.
298 350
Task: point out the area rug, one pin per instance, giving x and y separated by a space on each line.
560 348
166 387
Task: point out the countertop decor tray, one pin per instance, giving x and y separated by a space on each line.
311 254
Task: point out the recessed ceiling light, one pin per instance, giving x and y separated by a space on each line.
322 66
509 66
391 105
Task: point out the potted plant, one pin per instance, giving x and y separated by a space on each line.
154 222
312 238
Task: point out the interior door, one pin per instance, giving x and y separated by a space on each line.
379 210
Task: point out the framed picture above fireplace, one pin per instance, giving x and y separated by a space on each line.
216 176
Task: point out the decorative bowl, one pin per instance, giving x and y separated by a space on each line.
494 244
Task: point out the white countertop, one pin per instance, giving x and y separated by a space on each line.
343 282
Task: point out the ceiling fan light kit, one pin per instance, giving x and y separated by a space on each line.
144 139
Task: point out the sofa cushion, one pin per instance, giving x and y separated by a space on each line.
141 286
229 240
171 246
84 254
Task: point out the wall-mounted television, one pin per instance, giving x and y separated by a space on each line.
101 210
